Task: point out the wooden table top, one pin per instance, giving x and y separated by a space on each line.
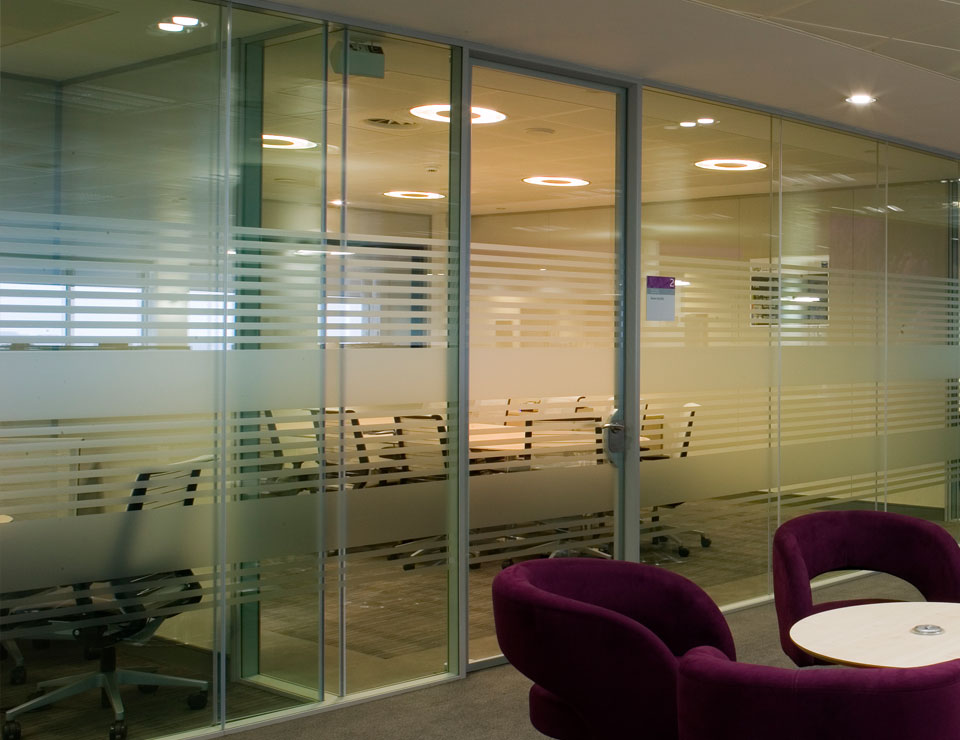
880 635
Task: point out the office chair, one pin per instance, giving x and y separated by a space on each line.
600 639
285 474
129 609
920 552
718 699
652 428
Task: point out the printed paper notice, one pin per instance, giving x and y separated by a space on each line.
661 298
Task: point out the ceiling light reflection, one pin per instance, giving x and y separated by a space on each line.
442 113
276 141
556 182
730 164
413 195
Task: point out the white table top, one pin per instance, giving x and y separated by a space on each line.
879 635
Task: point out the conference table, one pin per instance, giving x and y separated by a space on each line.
895 634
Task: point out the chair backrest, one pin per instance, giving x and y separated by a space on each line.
170 485
722 700
920 552
602 637
147 600
427 432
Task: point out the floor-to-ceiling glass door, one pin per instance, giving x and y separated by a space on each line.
545 324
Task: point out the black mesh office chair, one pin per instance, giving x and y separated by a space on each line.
654 448
102 615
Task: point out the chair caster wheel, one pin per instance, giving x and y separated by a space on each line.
506 563
197 700
11 730
683 552
148 688
18 676
705 542
408 566
118 730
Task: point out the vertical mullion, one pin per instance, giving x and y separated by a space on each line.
320 428
458 520
221 610
629 494
341 376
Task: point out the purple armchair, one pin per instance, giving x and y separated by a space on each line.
600 640
722 700
915 550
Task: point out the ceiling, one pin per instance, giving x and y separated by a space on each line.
735 55
925 33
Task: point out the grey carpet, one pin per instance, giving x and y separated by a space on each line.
492 704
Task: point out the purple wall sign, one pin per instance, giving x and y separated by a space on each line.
661 298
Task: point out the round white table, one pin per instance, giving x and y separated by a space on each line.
882 635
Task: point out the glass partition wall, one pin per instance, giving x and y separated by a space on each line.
230 321
810 360
215 249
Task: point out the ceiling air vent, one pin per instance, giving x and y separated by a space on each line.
390 124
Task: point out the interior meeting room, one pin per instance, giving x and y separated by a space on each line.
342 344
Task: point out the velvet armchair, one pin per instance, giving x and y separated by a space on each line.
920 552
601 639
722 700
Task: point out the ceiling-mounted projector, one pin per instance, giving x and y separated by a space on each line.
364 59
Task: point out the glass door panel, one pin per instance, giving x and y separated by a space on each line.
544 326
708 343
340 389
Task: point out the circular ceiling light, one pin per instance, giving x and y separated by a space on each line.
556 182
688 124
861 99
170 27
275 141
442 113
413 195
730 165
185 20
706 121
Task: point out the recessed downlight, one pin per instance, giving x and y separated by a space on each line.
730 165
556 182
688 124
442 113
276 141
336 202
861 99
185 20
706 121
170 27
413 195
